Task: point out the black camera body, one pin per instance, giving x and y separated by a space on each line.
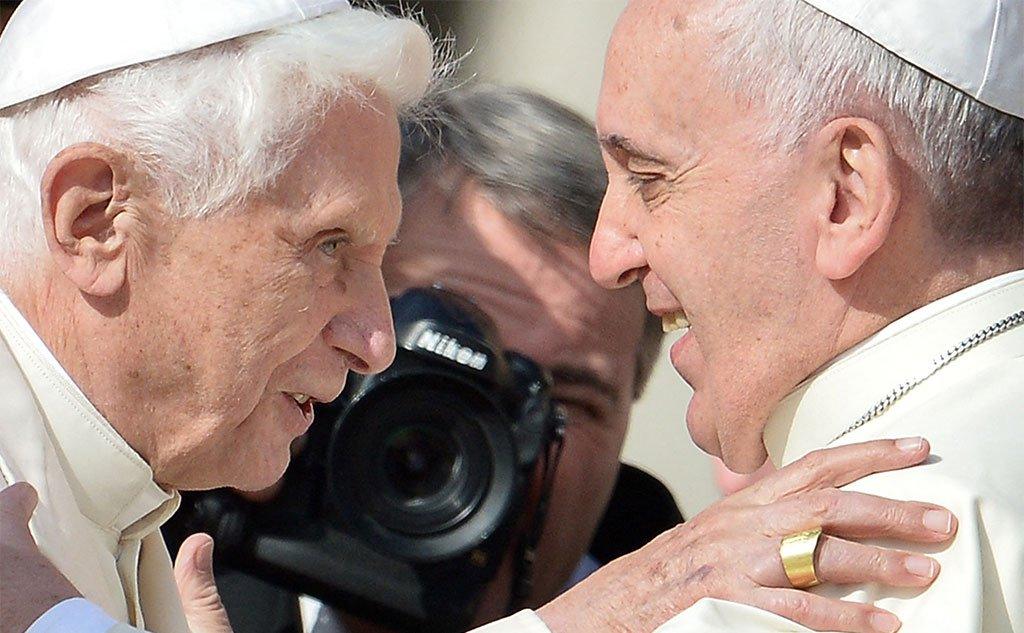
403 502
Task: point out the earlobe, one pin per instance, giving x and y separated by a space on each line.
864 173
82 203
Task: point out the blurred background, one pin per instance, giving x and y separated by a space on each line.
557 48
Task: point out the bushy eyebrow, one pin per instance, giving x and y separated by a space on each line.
617 142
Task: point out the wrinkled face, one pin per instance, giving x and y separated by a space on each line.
252 312
545 305
704 216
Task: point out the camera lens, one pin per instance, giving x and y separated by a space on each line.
419 460
423 467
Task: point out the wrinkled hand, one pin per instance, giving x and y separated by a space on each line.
193 572
29 583
731 550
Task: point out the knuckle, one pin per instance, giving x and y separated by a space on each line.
854 616
824 504
895 515
800 606
815 460
821 469
884 563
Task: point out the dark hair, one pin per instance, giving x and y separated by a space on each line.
539 160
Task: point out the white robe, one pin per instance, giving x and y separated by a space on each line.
972 413
99 509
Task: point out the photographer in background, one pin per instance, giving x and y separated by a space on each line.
500 198
500 204
501 191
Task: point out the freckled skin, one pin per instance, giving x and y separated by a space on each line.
222 317
719 224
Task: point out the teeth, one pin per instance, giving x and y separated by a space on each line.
301 398
674 321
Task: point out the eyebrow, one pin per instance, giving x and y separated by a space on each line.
573 375
625 144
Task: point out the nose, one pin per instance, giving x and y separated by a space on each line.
365 331
616 255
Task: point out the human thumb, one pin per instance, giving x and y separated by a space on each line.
193 572
17 502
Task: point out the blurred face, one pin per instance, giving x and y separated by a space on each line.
243 318
706 219
546 306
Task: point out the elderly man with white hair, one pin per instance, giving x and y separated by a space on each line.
195 209
217 187
829 195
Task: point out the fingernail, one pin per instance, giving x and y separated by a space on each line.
920 566
884 622
910 444
938 521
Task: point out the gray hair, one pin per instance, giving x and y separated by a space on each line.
539 161
971 156
211 127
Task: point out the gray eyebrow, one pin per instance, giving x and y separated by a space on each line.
625 144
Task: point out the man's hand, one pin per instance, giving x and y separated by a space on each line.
29 583
731 550
193 571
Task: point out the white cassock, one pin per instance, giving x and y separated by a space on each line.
971 411
99 504
99 509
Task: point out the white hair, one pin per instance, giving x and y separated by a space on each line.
213 126
807 68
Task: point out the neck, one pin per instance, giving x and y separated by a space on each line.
874 298
53 315
72 327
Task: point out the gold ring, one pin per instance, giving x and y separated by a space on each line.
797 552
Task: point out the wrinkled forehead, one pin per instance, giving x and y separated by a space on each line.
654 68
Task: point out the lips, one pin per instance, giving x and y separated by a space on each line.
305 403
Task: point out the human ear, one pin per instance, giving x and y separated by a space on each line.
83 202
859 160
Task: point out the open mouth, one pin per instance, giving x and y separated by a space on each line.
305 404
674 321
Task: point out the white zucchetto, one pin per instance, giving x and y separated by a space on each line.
976 46
50 44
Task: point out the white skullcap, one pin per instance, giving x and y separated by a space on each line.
50 44
976 46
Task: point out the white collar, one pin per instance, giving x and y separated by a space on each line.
112 484
826 403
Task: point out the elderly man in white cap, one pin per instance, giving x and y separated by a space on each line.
195 213
196 200
829 196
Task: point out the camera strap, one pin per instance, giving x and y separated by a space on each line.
526 548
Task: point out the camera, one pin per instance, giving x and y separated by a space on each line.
412 484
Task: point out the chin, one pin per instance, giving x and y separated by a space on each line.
743 452
716 434
263 470
701 426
